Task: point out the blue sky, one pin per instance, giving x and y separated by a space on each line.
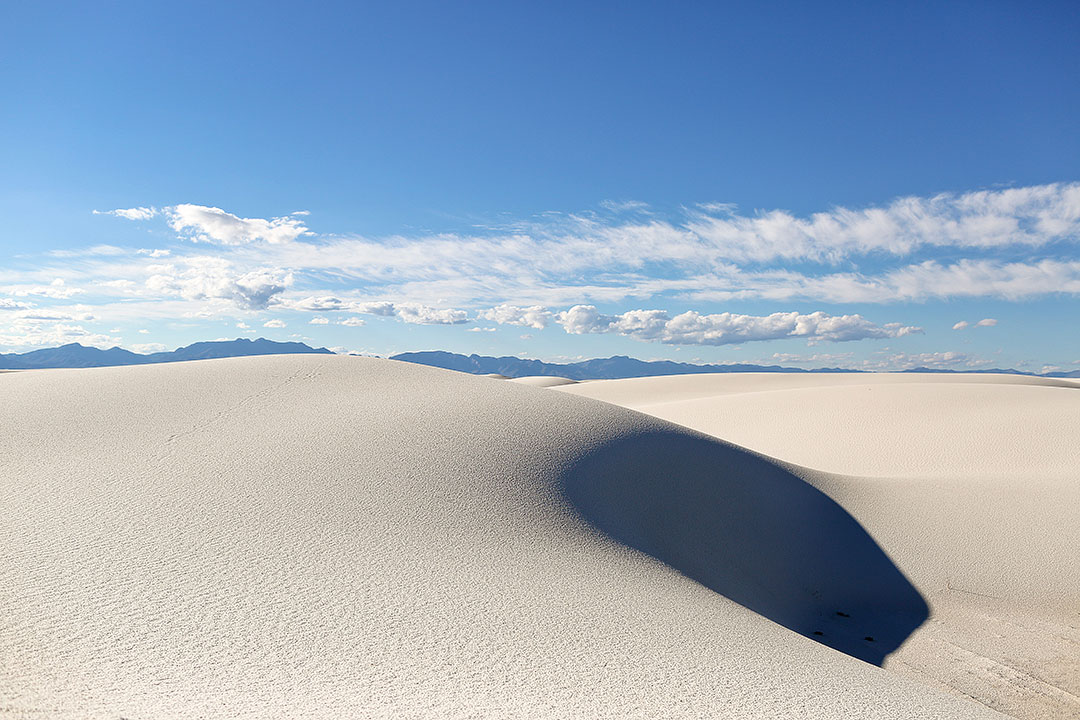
812 184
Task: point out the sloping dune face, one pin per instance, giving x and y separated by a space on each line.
328 537
971 484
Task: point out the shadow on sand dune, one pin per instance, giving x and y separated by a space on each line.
752 531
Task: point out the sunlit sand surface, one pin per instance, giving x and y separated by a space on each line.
329 537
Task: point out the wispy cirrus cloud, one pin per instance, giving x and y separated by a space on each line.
710 255
1011 244
135 213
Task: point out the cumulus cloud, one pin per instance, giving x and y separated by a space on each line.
960 325
323 303
211 224
693 328
206 277
986 322
535 316
9 304
318 321
427 315
385 309
353 322
275 323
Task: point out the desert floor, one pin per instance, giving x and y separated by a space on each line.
314 536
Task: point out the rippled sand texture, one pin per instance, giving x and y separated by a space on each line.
337 537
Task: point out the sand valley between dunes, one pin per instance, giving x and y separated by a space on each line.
313 536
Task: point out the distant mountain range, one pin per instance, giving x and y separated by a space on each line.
619 366
610 368
75 355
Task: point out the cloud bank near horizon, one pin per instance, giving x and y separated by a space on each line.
561 268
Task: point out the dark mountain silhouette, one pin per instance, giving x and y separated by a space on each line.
75 355
618 366
621 366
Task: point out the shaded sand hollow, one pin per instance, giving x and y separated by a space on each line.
334 537
970 483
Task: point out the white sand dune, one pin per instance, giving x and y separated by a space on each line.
333 537
971 484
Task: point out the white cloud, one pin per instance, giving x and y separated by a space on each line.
622 206
316 304
986 322
949 360
136 213
1018 216
275 323
384 309
415 313
69 313
211 224
95 250
242 325
929 280
56 289
318 321
816 359
119 284
1005 244
9 304
535 316
480 329
207 277
353 322
960 325
21 335
427 315
692 328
